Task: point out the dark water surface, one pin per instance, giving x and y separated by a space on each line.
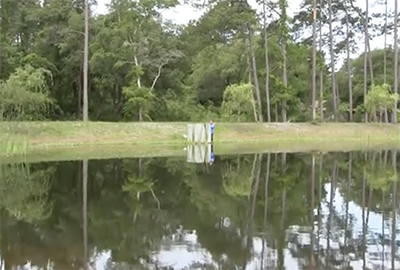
263 211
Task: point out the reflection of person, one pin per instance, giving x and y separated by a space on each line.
212 127
211 155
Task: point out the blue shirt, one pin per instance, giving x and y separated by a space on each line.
212 126
211 157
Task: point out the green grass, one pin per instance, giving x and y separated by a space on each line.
143 151
75 140
42 134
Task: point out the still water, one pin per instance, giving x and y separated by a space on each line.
261 211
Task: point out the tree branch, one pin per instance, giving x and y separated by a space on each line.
159 72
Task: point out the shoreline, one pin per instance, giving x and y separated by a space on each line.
164 151
52 141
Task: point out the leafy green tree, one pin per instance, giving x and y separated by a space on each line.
144 67
379 100
239 103
25 94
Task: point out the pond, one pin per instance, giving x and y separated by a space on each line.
278 210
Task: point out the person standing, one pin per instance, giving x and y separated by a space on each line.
212 127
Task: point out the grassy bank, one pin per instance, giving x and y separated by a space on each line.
143 151
124 138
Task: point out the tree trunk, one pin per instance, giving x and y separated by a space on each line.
385 44
371 71
140 113
321 73
349 73
314 60
86 65
284 80
139 84
366 38
284 32
80 91
337 96
253 103
255 76
333 83
267 96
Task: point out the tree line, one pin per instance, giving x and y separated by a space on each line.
60 61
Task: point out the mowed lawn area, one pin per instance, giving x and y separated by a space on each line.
46 141
93 133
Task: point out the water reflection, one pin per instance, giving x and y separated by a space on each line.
263 211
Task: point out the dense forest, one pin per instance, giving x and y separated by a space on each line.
235 63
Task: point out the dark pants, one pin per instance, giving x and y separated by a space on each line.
212 137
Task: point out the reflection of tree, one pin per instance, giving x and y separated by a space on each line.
132 205
210 203
379 178
23 193
346 217
24 203
256 176
85 168
394 209
312 258
237 177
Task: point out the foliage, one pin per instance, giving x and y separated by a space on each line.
379 99
237 178
137 98
238 103
25 94
144 67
